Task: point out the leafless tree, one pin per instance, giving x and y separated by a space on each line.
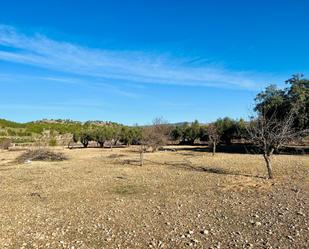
270 134
213 136
154 137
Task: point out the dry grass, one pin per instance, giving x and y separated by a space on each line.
5 143
94 200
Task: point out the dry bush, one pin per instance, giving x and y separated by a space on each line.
155 135
41 155
5 143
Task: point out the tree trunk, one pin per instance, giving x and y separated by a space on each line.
213 149
268 165
142 158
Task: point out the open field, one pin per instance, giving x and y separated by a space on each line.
101 198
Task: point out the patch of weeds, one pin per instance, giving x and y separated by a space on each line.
129 189
215 170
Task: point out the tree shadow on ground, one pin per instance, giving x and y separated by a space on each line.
187 165
233 148
93 146
245 149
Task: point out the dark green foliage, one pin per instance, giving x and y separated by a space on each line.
76 137
298 95
186 133
111 133
227 129
130 135
85 137
230 129
272 100
276 103
191 133
100 136
176 133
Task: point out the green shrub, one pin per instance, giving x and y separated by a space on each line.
52 142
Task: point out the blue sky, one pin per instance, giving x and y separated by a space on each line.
132 61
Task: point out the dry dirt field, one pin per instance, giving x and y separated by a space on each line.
185 199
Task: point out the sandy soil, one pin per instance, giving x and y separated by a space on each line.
102 199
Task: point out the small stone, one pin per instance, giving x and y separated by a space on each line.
300 213
205 232
194 241
290 237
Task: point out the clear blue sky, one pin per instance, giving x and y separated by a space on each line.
132 61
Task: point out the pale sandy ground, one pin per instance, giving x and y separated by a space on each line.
186 199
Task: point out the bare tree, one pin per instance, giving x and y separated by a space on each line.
270 134
154 137
213 136
143 149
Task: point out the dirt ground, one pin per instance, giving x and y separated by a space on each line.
102 198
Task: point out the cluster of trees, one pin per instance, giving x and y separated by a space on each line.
38 127
60 127
276 103
223 130
107 133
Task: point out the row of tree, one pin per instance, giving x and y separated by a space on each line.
227 128
160 133
108 133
